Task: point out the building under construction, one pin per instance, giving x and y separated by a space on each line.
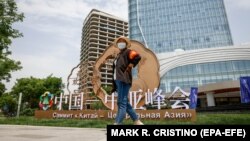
99 31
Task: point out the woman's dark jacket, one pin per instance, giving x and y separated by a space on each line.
122 72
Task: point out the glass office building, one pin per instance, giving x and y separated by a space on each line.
167 25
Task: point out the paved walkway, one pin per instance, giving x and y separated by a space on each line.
42 133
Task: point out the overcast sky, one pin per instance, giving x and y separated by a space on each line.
52 32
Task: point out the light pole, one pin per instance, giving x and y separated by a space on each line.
19 104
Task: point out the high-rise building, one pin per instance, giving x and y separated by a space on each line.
167 26
99 31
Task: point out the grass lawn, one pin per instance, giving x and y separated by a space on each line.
202 118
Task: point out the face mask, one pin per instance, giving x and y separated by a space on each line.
121 45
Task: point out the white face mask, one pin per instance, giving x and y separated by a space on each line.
121 45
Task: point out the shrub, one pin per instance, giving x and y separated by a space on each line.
28 112
8 105
98 105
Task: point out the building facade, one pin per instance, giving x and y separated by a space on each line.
225 65
173 26
99 31
167 25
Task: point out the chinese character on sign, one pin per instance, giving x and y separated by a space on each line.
179 99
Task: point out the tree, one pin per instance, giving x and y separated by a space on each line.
8 15
32 88
8 104
2 89
53 84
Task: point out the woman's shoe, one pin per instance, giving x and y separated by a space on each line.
138 122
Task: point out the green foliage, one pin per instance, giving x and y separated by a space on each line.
6 66
8 16
92 94
108 89
2 89
32 88
54 85
64 106
8 105
202 119
28 112
98 105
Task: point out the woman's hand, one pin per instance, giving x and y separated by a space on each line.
129 68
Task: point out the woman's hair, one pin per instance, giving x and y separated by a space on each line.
121 39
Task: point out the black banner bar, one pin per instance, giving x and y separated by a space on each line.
204 132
